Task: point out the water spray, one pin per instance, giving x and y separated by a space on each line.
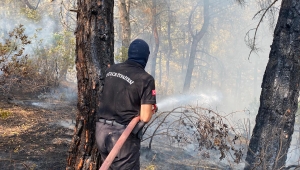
171 102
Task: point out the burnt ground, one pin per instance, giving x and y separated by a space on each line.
35 136
35 133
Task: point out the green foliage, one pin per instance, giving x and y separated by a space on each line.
16 67
4 114
123 55
56 59
12 60
63 52
31 14
64 48
45 67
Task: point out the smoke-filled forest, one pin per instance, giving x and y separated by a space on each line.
226 76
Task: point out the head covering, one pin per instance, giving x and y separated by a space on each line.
139 52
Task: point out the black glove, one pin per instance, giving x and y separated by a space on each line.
138 129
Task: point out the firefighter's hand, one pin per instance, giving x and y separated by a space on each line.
154 108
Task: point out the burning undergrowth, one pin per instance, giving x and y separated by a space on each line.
201 132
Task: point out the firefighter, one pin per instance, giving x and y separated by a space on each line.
128 91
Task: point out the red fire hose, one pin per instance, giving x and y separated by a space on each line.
113 153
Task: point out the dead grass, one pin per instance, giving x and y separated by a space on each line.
31 139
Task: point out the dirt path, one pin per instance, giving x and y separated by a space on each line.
32 137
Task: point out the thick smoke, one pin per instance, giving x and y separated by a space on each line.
42 29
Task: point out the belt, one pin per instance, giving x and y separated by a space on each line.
110 122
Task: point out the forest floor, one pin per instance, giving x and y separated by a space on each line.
35 134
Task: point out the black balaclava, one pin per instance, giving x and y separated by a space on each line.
139 52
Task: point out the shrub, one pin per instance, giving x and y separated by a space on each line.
202 128
123 55
48 65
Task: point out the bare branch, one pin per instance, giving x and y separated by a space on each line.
253 43
241 2
31 6
190 18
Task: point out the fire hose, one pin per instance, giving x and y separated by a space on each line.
113 153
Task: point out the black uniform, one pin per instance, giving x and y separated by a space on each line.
127 86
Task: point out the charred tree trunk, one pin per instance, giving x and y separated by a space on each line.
94 52
156 38
196 38
274 127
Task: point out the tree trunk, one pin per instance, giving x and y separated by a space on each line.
156 38
170 49
196 38
94 52
159 69
275 120
185 51
124 9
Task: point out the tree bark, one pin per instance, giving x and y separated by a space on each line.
275 120
196 38
94 52
156 37
124 9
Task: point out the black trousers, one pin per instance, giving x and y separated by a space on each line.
128 157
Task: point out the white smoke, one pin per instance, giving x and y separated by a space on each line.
207 99
39 32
